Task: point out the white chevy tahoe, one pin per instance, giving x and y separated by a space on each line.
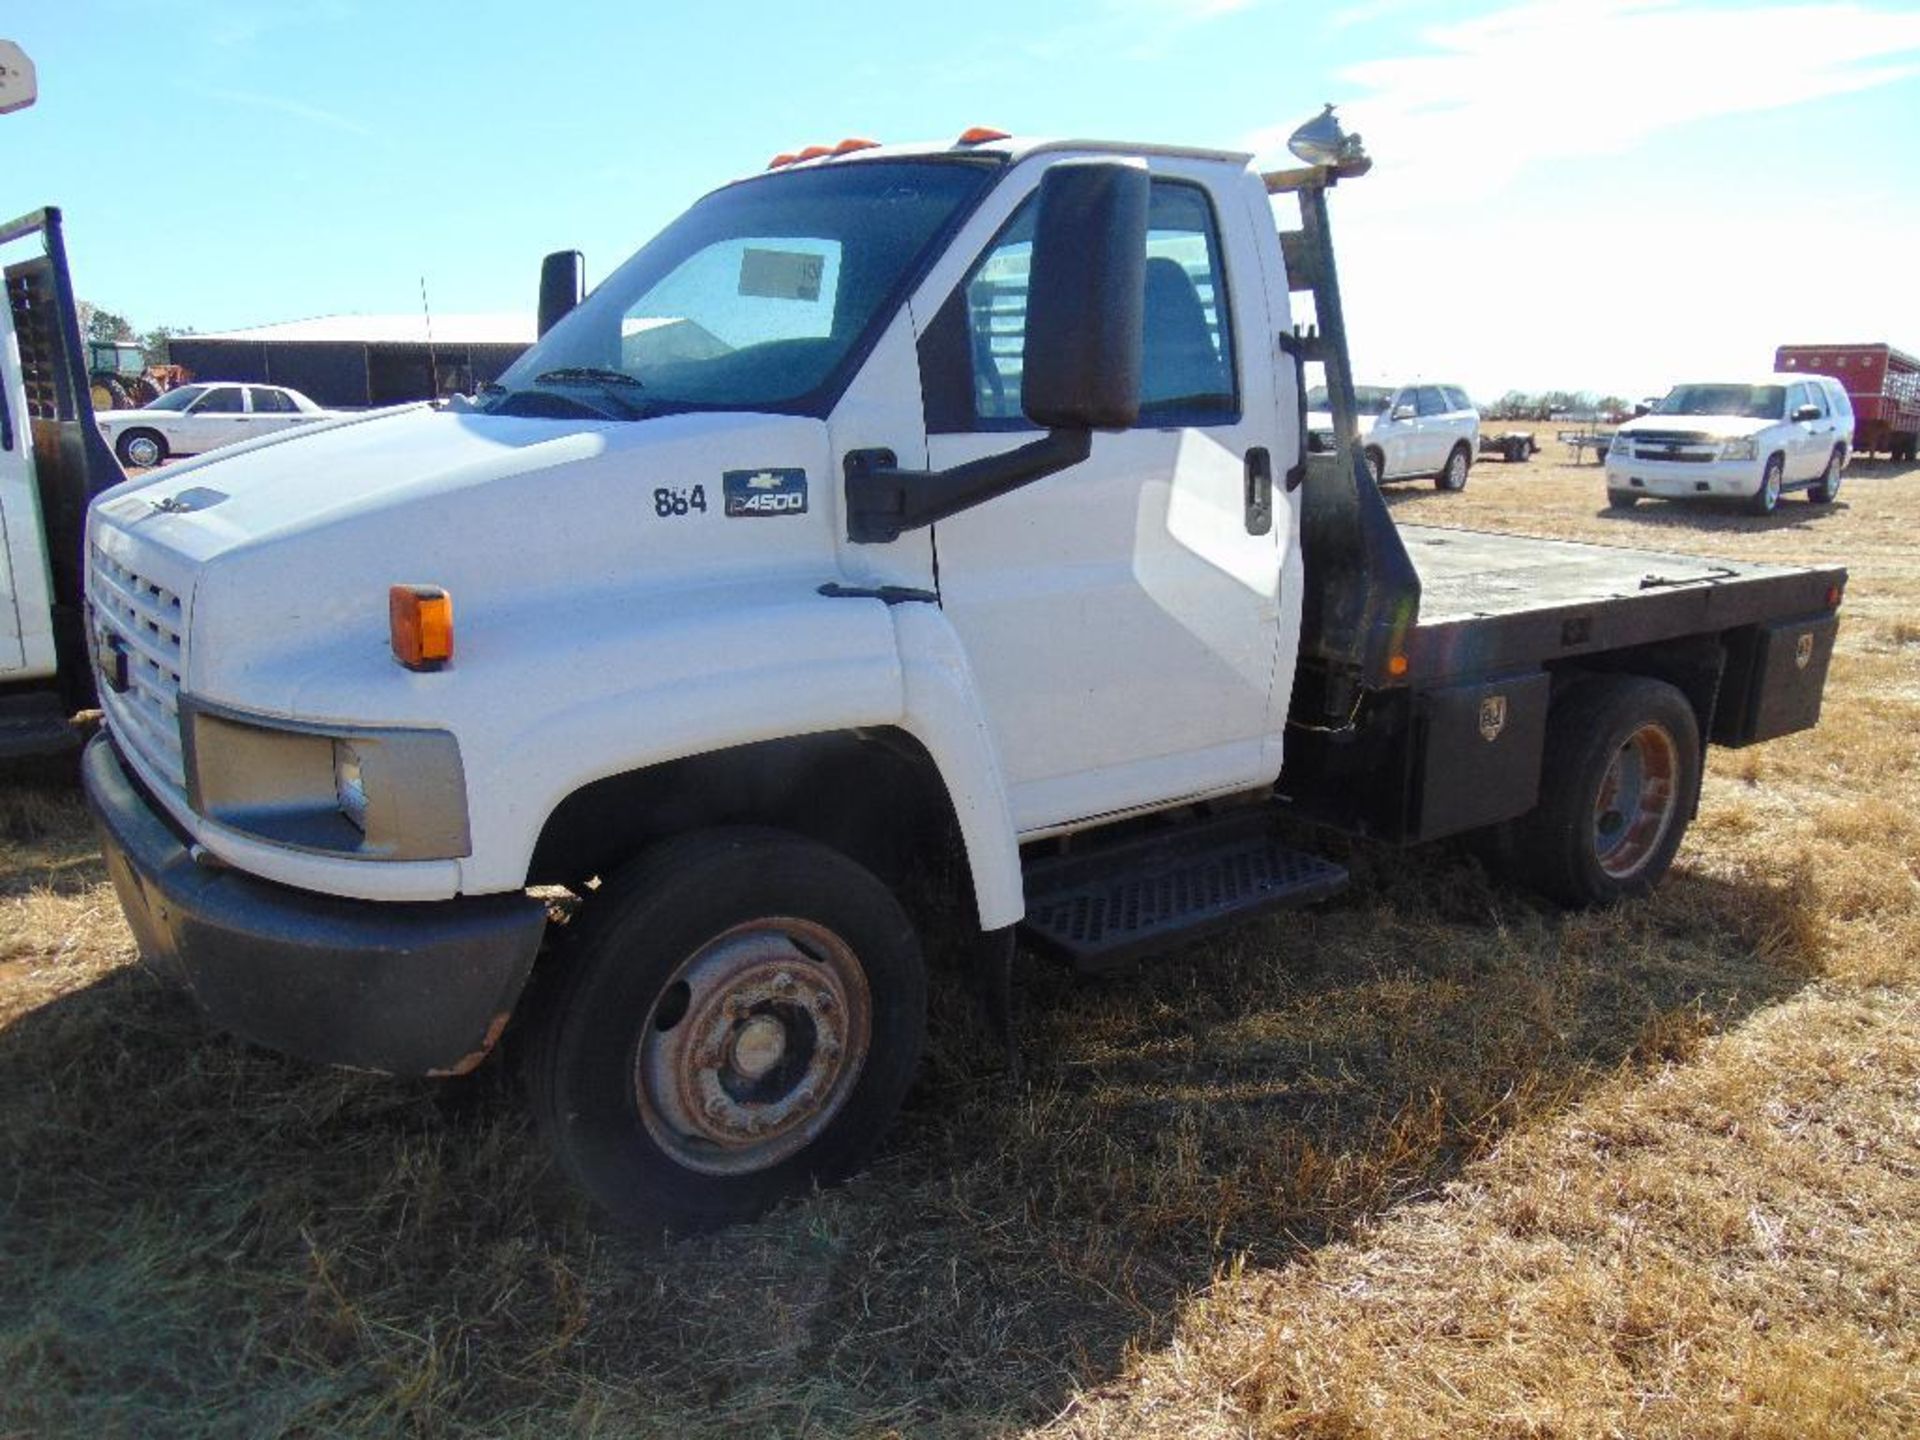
1741 441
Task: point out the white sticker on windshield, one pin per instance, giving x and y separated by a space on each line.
781 274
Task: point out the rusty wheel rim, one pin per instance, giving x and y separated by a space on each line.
1636 803
753 1046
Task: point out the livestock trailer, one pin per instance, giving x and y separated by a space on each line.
1883 383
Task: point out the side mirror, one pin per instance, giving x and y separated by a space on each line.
1403 412
1807 412
1086 297
562 283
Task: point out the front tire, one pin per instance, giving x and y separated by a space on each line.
739 1016
1453 475
141 449
1622 499
1619 781
1827 487
1767 498
1376 465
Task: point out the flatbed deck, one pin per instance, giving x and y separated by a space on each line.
1494 602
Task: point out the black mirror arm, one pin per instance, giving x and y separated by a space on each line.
883 500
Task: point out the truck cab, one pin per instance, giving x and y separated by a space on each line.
899 505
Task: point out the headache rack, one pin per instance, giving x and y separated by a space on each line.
1362 594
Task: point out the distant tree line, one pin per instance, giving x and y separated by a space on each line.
97 323
1558 404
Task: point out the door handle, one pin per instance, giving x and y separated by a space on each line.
1259 491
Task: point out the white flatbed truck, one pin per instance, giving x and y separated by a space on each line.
897 499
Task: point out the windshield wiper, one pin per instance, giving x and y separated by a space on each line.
607 380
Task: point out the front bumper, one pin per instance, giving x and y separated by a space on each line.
420 988
1681 480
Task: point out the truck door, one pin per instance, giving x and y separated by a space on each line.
1121 617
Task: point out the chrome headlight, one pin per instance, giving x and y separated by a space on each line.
1738 449
369 794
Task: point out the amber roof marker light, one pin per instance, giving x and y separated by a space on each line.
982 135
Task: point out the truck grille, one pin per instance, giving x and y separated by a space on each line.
1684 447
143 621
1670 437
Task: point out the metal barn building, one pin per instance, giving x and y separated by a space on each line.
346 361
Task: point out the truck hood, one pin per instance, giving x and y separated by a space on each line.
291 544
1720 427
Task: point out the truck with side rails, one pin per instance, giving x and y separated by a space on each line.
934 511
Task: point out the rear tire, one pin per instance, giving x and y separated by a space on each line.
1620 778
1766 499
1453 475
141 449
1828 485
738 1017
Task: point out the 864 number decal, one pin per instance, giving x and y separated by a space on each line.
668 502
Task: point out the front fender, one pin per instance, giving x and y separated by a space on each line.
552 698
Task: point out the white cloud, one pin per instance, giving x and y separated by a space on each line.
1549 81
1465 255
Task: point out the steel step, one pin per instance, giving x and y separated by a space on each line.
35 723
1110 905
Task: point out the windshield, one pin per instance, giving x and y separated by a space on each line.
756 299
178 399
1367 399
1753 402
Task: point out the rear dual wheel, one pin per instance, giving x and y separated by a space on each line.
737 1018
1619 781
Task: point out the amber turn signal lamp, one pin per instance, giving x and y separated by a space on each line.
1396 665
420 618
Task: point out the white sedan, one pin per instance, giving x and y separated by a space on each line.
193 418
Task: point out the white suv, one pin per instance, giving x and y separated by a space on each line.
1737 440
1417 430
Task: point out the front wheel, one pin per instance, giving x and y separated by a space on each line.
141 449
1376 465
739 1016
1767 498
1622 499
1453 475
1619 780
1828 485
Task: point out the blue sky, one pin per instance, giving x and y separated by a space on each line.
1610 194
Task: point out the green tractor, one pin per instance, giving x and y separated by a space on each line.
118 375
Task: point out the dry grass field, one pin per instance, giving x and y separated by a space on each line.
1433 1160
